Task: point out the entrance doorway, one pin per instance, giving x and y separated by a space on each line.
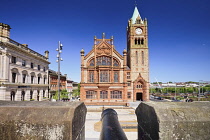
139 96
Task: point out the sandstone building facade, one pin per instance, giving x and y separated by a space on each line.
109 77
23 72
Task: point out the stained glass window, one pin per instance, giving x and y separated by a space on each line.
104 61
91 76
116 76
115 63
104 76
92 62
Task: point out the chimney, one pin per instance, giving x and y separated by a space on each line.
4 32
26 45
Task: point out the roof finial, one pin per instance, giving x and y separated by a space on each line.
103 35
135 3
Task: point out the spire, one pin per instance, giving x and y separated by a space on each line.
136 15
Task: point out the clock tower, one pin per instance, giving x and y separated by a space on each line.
137 56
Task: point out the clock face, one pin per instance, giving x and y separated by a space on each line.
138 31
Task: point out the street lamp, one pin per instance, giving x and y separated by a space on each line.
60 47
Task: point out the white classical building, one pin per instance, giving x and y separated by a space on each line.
23 72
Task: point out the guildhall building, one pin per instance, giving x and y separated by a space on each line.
109 78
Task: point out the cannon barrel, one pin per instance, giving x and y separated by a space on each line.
111 129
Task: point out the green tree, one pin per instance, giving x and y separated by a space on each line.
63 94
76 92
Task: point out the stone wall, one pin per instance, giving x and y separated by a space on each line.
173 120
42 120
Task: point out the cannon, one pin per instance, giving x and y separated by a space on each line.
111 129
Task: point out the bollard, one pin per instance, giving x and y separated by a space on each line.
111 129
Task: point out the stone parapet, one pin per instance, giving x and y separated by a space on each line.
42 120
173 120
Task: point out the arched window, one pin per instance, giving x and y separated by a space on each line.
116 76
103 94
115 63
142 41
32 77
39 78
14 73
142 55
104 61
139 41
135 41
92 62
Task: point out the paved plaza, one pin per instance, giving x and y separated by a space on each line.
126 117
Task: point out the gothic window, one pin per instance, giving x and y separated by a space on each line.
139 86
139 41
91 76
92 62
24 78
14 77
44 69
103 94
116 94
142 55
104 76
104 61
142 41
115 63
136 57
116 76
135 41
91 94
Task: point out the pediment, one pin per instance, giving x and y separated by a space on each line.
103 48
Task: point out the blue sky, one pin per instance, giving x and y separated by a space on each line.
179 33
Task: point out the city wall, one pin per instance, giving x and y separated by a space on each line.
173 120
42 120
